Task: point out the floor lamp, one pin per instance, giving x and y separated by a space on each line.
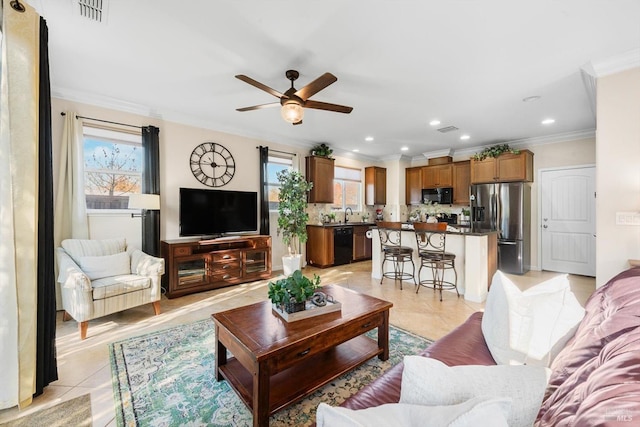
149 205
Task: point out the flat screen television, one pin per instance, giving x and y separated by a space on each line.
216 212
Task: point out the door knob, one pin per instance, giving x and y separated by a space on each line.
545 226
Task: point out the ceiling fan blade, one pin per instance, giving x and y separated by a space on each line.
258 107
259 85
329 107
316 86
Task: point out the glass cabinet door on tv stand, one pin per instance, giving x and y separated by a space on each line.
191 271
256 261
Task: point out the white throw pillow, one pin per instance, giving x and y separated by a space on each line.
97 267
427 381
472 413
529 327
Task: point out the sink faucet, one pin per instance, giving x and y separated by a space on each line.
346 218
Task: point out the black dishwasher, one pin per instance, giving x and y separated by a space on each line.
342 245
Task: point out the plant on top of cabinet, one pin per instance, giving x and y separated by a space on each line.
322 150
292 214
495 151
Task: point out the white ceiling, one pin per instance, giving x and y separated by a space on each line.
400 64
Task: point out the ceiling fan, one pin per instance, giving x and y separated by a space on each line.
293 101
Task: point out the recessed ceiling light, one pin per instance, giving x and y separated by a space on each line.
531 98
548 121
355 150
404 148
434 122
465 137
369 139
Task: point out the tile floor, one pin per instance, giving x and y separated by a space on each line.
83 366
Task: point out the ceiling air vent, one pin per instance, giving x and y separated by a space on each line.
95 10
447 129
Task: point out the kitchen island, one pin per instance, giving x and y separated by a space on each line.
476 254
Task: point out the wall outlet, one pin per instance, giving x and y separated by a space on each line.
627 218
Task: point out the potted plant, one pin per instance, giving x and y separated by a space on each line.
495 151
322 150
292 216
291 293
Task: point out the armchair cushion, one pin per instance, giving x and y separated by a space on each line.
98 267
118 285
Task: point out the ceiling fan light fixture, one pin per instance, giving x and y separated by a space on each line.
292 112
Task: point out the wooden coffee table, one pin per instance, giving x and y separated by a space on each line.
276 363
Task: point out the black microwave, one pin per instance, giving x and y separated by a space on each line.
443 196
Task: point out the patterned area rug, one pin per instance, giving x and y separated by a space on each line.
166 378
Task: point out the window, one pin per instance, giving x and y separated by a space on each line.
276 164
347 188
112 167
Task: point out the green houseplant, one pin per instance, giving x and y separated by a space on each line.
322 150
292 215
495 151
291 293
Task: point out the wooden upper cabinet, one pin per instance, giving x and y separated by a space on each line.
320 171
413 186
437 176
461 182
505 168
375 182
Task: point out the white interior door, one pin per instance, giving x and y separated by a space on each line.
567 221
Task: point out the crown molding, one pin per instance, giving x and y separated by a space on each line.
103 102
439 153
616 64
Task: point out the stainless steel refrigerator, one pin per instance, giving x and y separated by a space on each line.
506 208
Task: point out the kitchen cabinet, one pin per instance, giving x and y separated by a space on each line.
319 246
195 265
461 182
319 170
361 243
437 176
413 186
375 183
507 167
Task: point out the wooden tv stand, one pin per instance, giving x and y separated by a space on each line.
195 265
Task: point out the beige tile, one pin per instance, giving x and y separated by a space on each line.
84 366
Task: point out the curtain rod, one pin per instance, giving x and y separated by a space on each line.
103 121
281 152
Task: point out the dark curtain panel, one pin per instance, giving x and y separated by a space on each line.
151 185
46 365
264 191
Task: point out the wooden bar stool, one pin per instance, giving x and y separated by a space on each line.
431 240
393 251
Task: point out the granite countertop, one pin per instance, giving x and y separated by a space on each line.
342 224
451 229
458 229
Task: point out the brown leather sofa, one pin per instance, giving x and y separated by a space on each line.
595 379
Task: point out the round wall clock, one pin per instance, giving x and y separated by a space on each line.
212 164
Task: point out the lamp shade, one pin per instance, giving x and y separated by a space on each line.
144 201
292 112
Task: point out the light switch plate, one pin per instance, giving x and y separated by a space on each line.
627 218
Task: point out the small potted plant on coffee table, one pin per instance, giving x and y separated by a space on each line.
291 293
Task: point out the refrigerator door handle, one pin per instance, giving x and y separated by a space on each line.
503 242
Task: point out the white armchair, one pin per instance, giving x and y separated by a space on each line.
100 277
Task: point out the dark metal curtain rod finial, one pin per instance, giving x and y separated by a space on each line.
17 6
